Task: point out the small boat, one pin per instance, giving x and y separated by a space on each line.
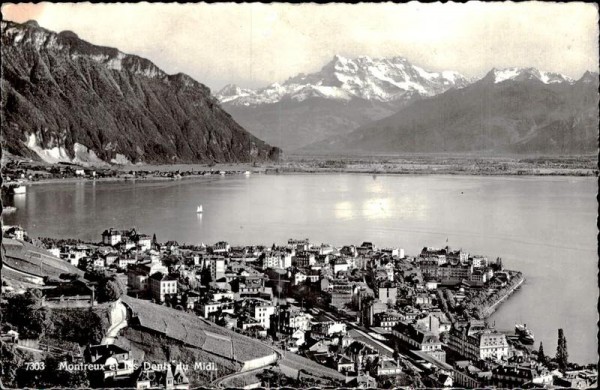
247 173
525 335
199 210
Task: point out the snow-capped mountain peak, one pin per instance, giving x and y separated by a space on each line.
519 74
380 79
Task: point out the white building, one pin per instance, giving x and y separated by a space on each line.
475 341
111 237
162 285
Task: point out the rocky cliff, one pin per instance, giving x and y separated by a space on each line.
64 99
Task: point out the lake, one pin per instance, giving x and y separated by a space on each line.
542 226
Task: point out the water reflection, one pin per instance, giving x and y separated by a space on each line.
343 210
20 201
377 208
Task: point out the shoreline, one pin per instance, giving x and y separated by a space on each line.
492 308
275 172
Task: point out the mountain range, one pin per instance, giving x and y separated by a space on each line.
345 94
515 110
64 99
388 104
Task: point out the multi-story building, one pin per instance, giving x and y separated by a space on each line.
420 339
111 237
276 259
261 310
216 265
290 319
387 293
303 259
162 285
138 274
322 326
339 264
214 306
299 245
386 320
221 247
515 376
476 341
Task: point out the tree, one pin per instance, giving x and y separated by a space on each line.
562 356
205 276
112 290
541 357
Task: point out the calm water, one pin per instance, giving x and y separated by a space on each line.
545 227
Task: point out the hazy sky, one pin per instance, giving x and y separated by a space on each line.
254 45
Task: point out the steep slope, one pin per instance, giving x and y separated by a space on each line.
64 99
343 95
507 111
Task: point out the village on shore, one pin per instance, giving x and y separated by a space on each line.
374 315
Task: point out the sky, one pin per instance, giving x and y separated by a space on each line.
254 45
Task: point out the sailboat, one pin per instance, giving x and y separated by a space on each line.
199 210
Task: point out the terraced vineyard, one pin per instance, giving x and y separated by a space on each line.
195 332
25 257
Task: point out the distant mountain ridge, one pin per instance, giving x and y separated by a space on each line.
385 80
64 99
515 110
343 95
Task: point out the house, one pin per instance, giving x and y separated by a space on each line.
143 241
138 274
221 247
360 353
362 381
206 309
116 360
440 379
16 232
322 326
124 262
431 285
339 265
386 320
98 262
435 322
162 285
160 376
73 256
388 366
344 364
466 375
299 245
111 237
111 258
513 376
422 299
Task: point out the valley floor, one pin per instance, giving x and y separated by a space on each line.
450 164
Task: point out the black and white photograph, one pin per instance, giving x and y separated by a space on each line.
278 195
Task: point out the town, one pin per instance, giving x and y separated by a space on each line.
291 314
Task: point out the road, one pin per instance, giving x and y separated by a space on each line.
118 321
